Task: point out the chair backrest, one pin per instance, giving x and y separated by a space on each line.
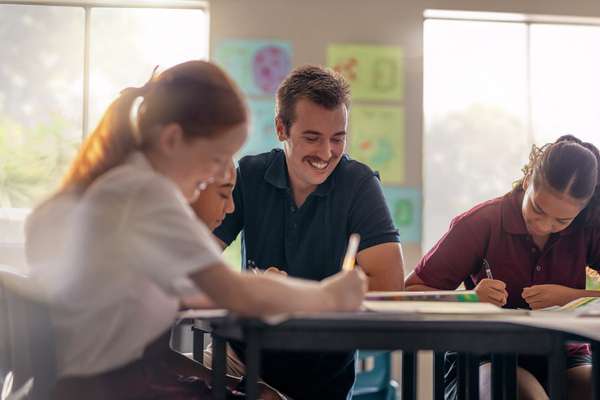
26 336
373 372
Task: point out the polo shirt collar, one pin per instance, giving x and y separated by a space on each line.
512 217
277 175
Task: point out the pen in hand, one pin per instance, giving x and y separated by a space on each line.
487 269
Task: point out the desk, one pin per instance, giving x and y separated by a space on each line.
372 331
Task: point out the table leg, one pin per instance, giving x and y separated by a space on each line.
596 370
197 345
510 377
557 367
219 357
472 376
461 375
438 375
252 363
409 375
498 377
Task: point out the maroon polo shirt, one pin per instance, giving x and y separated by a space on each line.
495 230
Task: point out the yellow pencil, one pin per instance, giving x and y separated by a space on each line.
351 250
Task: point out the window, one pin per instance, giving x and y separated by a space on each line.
492 88
61 67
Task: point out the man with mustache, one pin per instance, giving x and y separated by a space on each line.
297 207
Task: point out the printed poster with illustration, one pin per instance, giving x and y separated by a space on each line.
262 136
405 206
258 66
377 139
374 72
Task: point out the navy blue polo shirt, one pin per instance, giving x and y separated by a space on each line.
307 242
310 241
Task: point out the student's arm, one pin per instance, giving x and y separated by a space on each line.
453 258
414 283
380 253
542 296
264 294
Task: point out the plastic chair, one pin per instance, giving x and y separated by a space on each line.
26 336
373 377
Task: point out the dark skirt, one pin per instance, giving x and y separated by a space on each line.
159 374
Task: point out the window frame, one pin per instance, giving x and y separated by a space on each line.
14 214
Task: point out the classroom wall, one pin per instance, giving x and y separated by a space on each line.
311 25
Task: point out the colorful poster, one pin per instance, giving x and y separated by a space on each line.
374 72
405 206
262 136
377 139
258 66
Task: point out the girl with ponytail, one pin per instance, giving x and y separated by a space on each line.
108 249
527 249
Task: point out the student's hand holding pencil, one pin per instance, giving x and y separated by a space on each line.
492 291
346 289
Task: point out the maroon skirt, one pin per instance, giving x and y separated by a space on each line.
160 374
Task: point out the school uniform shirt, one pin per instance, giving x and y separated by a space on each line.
108 260
495 230
307 242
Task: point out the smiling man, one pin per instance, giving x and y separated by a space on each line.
297 208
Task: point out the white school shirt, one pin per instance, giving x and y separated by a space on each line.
108 261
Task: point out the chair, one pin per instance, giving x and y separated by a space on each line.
373 377
27 344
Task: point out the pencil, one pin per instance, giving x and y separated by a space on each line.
350 257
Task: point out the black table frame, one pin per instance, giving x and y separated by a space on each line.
470 338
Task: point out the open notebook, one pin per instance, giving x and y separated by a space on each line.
465 302
436 307
581 307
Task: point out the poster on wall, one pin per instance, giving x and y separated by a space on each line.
377 139
374 72
262 136
258 66
405 206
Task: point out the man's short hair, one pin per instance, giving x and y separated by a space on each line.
322 86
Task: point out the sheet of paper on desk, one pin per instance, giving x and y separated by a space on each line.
436 295
581 307
435 307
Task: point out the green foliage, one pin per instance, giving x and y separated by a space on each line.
32 160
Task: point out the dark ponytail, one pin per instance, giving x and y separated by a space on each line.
592 210
568 166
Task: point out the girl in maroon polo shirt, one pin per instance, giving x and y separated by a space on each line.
538 240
